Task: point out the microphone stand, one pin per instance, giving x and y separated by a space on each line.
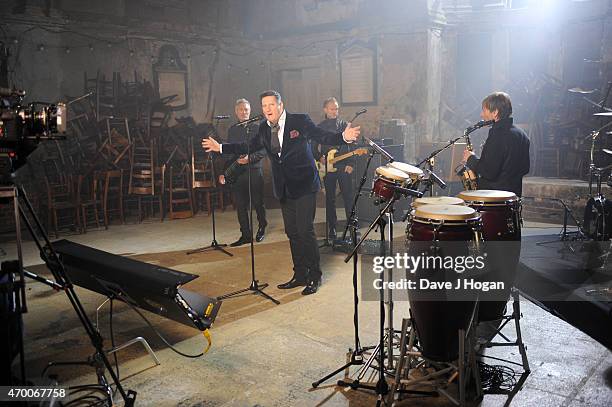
214 245
326 241
356 358
255 287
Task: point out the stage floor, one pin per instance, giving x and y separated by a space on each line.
270 357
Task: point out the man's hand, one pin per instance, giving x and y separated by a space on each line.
243 160
222 179
210 144
348 169
351 133
466 155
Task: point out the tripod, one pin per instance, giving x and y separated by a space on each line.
254 287
213 245
99 360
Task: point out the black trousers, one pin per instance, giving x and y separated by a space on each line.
298 217
241 199
346 188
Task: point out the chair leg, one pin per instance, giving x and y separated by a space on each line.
55 222
83 219
96 215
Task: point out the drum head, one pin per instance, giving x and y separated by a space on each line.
487 195
437 200
414 172
446 212
392 173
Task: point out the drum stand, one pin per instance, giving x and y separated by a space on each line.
411 359
379 353
516 316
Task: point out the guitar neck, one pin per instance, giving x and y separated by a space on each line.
343 156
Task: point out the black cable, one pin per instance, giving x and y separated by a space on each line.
495 378
160 335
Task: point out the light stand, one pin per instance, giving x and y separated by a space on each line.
214 245
99 359
254 287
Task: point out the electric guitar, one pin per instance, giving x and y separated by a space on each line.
331 159
234 171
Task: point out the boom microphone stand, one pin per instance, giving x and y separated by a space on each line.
356 358
214 245
254 287
99 360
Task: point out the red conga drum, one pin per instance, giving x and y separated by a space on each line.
501 222
441 230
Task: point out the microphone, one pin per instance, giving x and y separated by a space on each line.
379 149
407 191
359 113
8 92
437 179
482 123
221 117
249 121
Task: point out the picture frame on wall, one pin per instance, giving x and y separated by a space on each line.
358 74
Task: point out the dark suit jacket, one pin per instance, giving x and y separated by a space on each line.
504 160
237 134
294 173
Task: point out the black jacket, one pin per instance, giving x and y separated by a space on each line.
237 134
294 172
504 159
318 150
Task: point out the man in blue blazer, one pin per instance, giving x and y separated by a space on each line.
286 139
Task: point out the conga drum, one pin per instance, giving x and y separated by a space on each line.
441 230
415 174
437 200
501 222
387 178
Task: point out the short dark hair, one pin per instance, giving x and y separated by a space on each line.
499 101
271 92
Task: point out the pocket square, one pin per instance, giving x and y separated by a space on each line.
294 134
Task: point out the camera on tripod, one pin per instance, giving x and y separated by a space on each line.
23 127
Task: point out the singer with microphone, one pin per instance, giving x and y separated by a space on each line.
336 173
235 173
286 138
505 155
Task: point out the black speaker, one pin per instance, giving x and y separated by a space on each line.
150 287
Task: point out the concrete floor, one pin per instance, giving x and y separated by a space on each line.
271 358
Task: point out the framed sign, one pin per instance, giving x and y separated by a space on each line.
171 78
358 84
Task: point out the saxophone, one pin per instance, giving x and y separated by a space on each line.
468 177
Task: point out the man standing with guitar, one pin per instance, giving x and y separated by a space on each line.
337 172
236 175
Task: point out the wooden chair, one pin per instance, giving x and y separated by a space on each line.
147 179
203 184
61 205
112 200
179 189
89 198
